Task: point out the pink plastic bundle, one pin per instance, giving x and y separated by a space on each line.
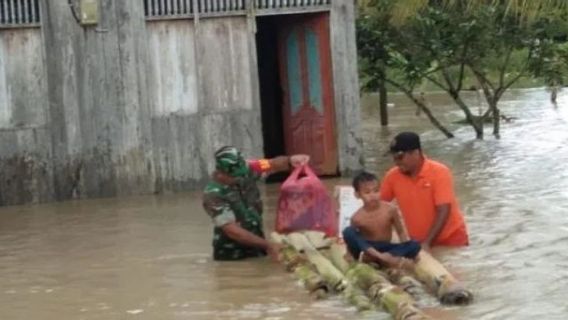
304 204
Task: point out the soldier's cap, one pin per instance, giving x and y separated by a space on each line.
404 141
229 160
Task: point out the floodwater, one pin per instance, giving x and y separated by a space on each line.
149 257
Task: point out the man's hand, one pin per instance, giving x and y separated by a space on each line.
298 160
273 251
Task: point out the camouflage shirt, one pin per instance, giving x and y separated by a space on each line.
239 203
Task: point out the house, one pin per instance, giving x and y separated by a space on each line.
107 98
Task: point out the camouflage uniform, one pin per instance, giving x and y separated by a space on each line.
240 202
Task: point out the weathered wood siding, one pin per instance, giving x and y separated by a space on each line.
200 85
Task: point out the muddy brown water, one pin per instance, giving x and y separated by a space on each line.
148 257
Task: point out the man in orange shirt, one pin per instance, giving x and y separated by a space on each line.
424 191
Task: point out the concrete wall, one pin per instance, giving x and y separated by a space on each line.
130 106
25 169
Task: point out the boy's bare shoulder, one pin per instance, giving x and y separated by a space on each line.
357 216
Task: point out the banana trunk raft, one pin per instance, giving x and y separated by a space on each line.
321 265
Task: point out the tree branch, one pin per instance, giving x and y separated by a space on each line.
452 90
504 67
423 107
508 85
522 72
436 82
481 77
462 66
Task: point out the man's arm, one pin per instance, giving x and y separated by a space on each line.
442 214
443 188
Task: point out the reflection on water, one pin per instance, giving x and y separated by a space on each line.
149 257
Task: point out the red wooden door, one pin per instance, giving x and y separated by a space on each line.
307 83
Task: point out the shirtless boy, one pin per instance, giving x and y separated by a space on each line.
370 235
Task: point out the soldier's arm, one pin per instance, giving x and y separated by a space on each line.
244 237
223 217
278 164
285 163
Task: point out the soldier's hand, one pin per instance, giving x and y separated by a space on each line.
298 160
273 251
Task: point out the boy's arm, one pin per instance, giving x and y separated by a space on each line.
356 219
399 224
374 254
358 223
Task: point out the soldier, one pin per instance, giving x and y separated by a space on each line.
232 200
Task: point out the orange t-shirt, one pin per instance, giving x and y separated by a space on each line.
417 198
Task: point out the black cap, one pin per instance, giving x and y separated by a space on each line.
405 141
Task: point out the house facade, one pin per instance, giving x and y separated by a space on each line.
104 98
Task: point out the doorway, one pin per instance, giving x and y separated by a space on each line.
296 88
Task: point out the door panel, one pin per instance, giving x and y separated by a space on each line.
306 79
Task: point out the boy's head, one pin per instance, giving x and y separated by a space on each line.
366 187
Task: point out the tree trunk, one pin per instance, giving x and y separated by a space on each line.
407 282
316 261
303 270
477 125
447 288
496 120
438 279
395 300
430 115
358 298
334 277
553 94
424 108
383 99
475 122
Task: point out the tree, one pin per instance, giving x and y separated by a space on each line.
448 41
554 52
555 71
374 56
525 10
377 39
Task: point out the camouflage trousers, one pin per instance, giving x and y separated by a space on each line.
226 249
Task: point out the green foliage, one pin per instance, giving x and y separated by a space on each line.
449 43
